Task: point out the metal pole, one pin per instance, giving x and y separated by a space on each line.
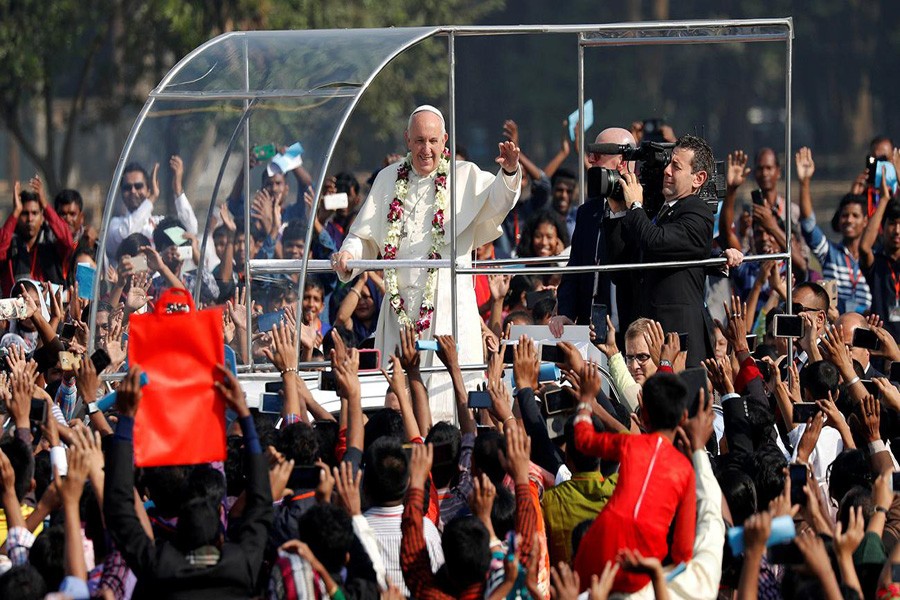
451 43
248 304
580 132
788 209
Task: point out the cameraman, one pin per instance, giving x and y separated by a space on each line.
578 291
681 231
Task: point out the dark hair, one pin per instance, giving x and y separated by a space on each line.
857 496
198 524
167 487
503 512
818 291
847 200
849 469
562 173
47 555
23 582
314 282
764 150
703 156
663 401
878 140
134 167
767 470
256 230
68 196
386 474
131 245
207 483
293 231
486 455
221 231
345 182
384 422
543 308
161 239
891 213
20 457
740 493
581 462
578 533
518 285
234 466
820 378
445 433
467 552
298 442
544 217
328 531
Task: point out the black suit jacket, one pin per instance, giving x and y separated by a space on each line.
576 291
674 297
162 570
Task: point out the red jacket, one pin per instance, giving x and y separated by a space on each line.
656 485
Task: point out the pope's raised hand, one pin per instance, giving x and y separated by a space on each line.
509 156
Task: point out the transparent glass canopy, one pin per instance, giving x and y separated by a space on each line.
239 98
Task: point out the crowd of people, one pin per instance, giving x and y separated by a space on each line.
718 428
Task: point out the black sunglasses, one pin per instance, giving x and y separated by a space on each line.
127 187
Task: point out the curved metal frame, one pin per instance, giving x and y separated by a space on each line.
712 33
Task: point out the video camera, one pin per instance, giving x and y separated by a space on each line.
653 157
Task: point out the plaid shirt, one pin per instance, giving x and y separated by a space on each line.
18 545
837 264
455 500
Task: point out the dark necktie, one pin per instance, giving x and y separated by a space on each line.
662 213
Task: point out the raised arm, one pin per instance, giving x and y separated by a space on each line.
409 360
736 175
448 355
805 170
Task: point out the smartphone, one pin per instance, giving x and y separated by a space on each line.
751 342
100 359
549 353
139 264
798 475
68 361
12 309
789 326
804 411
757 197
765 369
694 380
423 345
871 387
185 253
894 376
230 359
369 360
895 572
557 401
682 341
271 403
865 338
327 381
509 353
38 412
305 477
266 321
68 331
599 313
532 298
273 387
336 201
479 399
84 276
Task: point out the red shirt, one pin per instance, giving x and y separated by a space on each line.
656 485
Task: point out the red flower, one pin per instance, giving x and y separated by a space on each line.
438 220
395 212
440 181
390 252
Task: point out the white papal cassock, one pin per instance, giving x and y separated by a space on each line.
482 202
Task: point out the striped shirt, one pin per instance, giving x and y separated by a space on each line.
385 522
837 264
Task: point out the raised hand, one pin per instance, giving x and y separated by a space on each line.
17 199
396 379
283 354
526 364
511 131
154 184
670 348
509 156
806 167
446 352
737 169
406 351
420 465
565 583
226 218
590 382
655 339
518 454
481 500
499 285
608 347
347 486
128 394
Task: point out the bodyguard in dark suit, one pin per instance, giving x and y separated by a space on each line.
681 231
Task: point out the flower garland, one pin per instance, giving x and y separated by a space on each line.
395 233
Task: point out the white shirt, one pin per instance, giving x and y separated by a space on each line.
385 523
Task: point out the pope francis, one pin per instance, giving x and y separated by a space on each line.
407 216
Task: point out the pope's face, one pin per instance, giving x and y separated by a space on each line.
425 140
